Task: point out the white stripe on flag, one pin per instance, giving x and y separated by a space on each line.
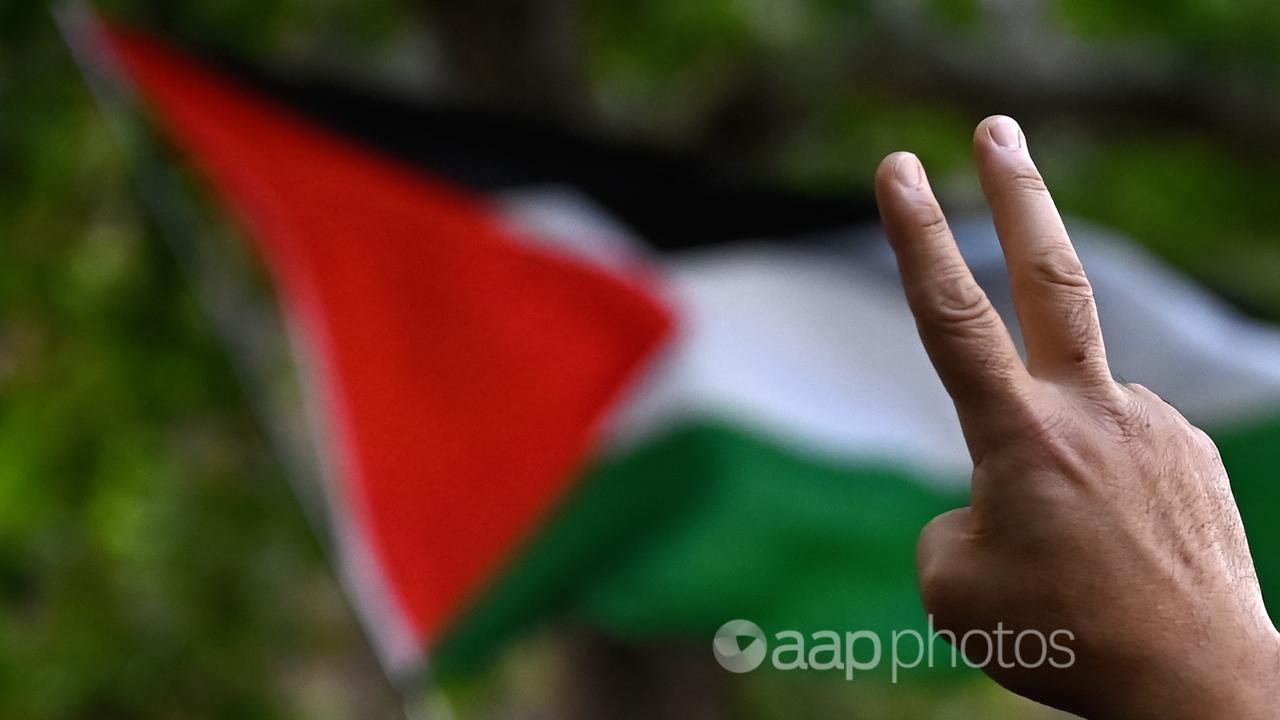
810 341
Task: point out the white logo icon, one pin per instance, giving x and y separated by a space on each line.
739 646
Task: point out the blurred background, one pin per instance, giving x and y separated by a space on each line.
153 562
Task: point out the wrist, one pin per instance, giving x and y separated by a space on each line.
1239 682
1254 683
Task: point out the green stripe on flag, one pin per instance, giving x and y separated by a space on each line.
708 523
705 522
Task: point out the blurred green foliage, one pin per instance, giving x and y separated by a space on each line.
152 561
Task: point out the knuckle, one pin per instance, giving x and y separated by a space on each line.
1146 413
1028 182
927 219
1124 411
933 224
1058 266
1203 442
1199 441
1130 414
958 301
939 559
935 534
935 591
1206 446
1139 389
949 596
939 586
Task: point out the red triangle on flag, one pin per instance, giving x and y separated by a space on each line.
464 373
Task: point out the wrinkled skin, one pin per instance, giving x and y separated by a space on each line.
1096 507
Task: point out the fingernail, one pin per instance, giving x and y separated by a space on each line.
908 169
1004 131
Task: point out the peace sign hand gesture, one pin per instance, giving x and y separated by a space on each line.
1096 507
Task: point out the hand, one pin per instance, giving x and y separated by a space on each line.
1096 507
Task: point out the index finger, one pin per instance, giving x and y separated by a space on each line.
963 334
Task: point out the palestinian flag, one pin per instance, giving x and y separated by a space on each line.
567 378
